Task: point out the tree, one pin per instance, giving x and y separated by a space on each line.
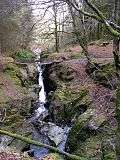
80 35
15 25
112 27
116 40
56 26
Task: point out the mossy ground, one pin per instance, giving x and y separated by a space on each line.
15 102
24 56
53 156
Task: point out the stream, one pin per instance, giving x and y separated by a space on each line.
45 132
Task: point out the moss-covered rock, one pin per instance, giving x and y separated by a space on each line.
104 74
79 132
13 71
91 147
15 103
16 111
53 156
67 103
108 148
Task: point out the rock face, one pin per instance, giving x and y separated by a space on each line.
16 101
72 93
66 100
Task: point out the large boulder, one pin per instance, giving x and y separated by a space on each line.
66 100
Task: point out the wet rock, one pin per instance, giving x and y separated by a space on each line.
55 133
32 71
41 112
34 91
67 104
79 132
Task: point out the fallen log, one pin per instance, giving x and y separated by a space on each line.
30 141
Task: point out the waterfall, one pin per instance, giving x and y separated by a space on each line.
45 132
42 95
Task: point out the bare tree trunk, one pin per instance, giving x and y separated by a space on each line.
81 39
56 28
116 40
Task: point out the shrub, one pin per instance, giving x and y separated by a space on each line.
24 56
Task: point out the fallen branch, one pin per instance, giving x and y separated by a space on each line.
30 141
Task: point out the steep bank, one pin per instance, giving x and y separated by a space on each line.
74 89
18 88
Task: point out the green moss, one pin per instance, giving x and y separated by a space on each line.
53 156
107 69
76 55
109 152
13 121
14 73
70 101
24 56
79 133
3 97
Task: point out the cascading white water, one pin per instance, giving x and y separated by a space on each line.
46 130
42 95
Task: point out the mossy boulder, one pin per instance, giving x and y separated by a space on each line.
104 74
13 71
79 132
68 103
61 73
91 147
93 143
16 111
108 149
23 76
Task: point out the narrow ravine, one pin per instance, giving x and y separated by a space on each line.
45 131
